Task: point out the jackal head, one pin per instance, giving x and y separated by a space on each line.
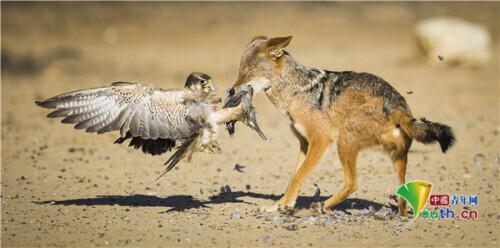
262 62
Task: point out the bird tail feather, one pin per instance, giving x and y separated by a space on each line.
180 154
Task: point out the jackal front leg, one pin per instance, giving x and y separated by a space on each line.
315 150
304 146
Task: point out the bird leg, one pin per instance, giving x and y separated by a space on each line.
209 141
227 114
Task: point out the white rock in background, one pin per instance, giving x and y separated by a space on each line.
451 41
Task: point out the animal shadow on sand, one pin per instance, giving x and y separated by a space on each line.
179 203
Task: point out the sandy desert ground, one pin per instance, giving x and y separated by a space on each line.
65 188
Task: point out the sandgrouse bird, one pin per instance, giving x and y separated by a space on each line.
155 120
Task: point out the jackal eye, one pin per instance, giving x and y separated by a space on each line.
231 91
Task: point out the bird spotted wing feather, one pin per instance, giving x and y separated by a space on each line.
145 112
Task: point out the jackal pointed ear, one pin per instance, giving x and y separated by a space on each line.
279 42
258 37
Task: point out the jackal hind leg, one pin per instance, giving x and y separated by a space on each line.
400 168
348 152
397 144
399 156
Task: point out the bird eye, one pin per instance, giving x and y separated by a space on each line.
205 84
231 91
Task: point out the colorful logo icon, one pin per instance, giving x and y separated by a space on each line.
416 193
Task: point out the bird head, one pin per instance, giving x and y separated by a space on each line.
200 82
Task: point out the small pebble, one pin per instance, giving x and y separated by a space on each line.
235 215
367 211
310 220
273 218
266 238
479 159
291 227
384 213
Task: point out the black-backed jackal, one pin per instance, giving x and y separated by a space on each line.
359 110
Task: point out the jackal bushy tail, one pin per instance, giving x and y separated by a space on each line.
423 130
428 132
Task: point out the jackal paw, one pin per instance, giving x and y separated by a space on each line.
403 213
286 210
270 209
318 207
282 209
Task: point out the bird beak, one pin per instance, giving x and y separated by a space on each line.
211 85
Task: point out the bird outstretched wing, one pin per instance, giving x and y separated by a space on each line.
131 108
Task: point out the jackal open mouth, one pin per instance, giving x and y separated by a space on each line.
243 95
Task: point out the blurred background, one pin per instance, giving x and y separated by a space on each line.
51 48
163 42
